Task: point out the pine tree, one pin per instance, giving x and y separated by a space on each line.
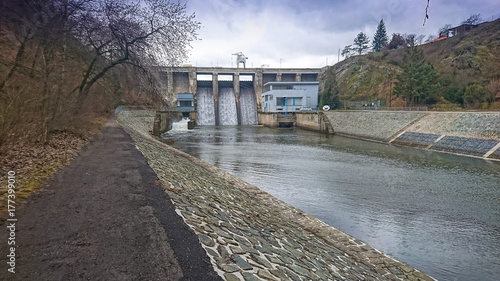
330 93
361 43
380 39
419 80
347 51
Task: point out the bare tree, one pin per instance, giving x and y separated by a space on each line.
55 54
430 38
443 31
397 42
473 19
143 34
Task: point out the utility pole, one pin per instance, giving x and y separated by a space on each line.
390 90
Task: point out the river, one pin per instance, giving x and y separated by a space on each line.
438 212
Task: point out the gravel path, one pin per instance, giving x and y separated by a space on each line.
104 217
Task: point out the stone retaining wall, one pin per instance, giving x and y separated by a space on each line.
374 125
250 235
470 133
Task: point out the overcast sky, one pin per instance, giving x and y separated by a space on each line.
297 33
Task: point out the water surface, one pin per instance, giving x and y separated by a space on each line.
438 212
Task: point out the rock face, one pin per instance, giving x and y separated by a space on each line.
250 235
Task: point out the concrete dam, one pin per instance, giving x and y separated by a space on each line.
225 96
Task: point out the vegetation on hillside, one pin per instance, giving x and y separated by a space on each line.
65 62
418 81
330 93
467 67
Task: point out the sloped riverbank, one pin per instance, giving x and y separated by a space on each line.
469 133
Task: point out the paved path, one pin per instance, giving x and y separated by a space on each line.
105 217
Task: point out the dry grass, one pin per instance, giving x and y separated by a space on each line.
35 163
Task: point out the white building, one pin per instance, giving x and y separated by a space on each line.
290 96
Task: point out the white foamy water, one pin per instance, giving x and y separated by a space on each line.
180 126
248 106
205 104
227 107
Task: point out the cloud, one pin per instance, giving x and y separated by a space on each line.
297 33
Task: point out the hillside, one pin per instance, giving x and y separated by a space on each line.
470 58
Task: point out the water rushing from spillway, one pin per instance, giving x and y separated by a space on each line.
248 107
227 107
181 126
205 103
437 212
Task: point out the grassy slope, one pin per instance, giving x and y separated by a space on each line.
472 57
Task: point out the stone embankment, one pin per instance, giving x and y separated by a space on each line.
250 235
469 133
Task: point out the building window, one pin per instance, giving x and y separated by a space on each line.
280 101
282 87
184 103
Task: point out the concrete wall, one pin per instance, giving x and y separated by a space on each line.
470 133
314 121
268 119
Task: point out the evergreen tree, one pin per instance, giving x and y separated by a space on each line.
380 39
330 93
419 80
347 51
361 43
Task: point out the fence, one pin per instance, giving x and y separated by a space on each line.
380 106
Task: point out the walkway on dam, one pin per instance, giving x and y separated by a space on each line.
105 217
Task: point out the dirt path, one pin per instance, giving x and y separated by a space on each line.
104 217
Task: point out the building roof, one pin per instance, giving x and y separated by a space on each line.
185 96
292 83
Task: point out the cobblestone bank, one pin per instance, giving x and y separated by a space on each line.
250 235
484 125
470 133
374 125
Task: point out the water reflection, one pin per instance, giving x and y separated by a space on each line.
438 212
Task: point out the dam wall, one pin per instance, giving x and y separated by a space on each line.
469 133
226 96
